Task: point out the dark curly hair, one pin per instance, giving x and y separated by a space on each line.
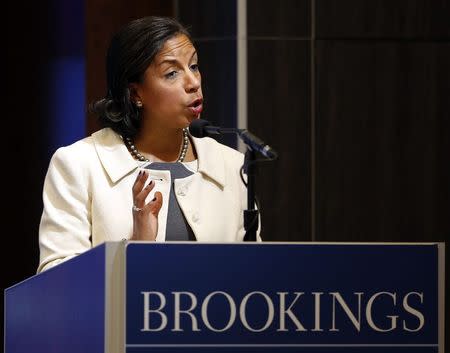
131 51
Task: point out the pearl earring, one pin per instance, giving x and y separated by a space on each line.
139 104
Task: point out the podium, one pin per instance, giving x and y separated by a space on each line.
135 297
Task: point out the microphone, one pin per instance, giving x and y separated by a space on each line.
201 128
257 144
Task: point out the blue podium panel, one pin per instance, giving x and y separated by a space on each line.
59 310
275 297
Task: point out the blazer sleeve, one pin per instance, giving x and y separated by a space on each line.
65 226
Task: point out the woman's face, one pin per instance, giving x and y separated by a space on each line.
171 92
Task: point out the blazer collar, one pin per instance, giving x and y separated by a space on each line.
118 162
113 154
210 159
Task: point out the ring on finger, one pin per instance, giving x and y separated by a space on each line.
136 209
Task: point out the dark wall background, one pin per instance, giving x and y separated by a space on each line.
39 37
354 95
25 136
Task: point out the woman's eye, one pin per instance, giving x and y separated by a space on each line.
171 74
194 67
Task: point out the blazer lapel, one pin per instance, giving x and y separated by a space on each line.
113 154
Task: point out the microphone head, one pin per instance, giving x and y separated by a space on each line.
197 128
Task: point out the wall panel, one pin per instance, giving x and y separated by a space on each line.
279 113
380 122
286 18
401 19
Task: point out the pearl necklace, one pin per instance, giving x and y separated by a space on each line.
137 155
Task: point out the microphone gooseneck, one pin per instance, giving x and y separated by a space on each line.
203 128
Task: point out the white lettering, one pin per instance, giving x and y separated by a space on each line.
205 311
178 311
414 312
270 314
343 304
289 312
317 311
147 311
369 312
254 316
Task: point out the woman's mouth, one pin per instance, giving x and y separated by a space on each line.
196 106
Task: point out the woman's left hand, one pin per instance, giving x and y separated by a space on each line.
145 215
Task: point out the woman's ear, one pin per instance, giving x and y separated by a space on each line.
134 95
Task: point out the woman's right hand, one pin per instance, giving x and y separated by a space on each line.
145 215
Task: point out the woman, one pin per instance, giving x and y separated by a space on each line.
142 176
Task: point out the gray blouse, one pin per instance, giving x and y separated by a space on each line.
177 227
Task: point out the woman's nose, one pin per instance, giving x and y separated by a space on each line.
193 81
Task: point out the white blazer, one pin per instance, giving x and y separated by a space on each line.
88 199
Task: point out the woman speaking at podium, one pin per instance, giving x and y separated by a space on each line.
143 176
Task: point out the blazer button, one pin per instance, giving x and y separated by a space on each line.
195 218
